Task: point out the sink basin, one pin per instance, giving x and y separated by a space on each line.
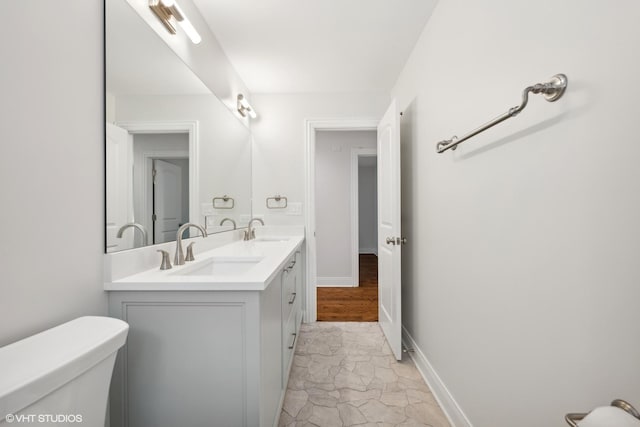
219 267
271 239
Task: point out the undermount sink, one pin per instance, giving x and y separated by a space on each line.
219 267
271 239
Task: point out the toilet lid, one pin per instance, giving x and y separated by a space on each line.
35 366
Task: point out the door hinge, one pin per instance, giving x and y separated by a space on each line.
153 176
154 217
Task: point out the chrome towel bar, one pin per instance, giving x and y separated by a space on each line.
552 91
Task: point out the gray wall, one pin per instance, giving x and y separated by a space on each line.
51 164
367 208
521 278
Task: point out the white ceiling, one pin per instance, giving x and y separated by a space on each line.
288 46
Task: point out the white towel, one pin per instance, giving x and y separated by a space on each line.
609 416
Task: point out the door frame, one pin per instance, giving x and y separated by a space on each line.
189 127
356 153
123 187
311 127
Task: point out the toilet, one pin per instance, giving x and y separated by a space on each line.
61 377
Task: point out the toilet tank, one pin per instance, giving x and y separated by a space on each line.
61 376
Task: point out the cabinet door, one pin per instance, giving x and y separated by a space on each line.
290 313
270 351
298 289
289 288
185 361
289 340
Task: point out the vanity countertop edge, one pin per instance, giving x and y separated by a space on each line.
273 257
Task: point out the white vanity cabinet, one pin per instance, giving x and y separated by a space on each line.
291 312
206 358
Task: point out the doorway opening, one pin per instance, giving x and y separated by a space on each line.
346 225
366 189
365 192
314 127
390 239
161 183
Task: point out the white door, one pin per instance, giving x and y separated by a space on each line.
167 200
119 182
389 247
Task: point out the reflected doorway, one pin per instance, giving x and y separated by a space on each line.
161 183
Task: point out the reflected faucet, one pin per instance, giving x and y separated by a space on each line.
250 233
179 258
143 231
229 219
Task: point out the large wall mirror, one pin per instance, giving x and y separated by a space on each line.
174 152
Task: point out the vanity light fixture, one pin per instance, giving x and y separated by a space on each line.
245 108
165 10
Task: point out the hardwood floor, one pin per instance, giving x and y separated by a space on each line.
352 304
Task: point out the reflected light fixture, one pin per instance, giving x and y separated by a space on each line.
244 108
168 12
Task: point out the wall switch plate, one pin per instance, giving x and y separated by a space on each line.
294 208
206 209
209 221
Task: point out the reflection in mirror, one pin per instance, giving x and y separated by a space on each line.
171 146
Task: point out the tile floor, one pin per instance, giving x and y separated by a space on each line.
344 374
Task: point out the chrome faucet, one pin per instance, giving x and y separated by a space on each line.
229 219
143 231
179 258
250 233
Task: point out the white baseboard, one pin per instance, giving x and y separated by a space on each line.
449 406
335 282
367 251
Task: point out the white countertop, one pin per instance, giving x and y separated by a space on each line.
264 258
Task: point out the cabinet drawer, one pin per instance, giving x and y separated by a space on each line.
297 271
290 292
289 341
